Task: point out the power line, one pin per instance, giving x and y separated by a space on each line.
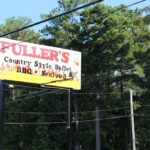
138 2
62 14
102 93
117 117
108 93
141 115
32 123
82 121
27 98
46 34
89 93
145 105
29 93
124 68
105 110
50 123
59 113
37 87
79 8
14 101
102 77
37 92
37 113
51 18
47 93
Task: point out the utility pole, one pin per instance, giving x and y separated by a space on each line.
1 113
69 127
77 145
132 120
98 144
98 136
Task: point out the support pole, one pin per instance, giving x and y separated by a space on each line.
98 140
132 120
97 116
1 113
77 145
69 120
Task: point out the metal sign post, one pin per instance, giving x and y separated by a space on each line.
69 127
1 113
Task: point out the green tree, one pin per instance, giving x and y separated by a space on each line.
16 23
54 134
142 110
62 29
110 40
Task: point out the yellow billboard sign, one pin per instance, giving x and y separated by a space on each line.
39 64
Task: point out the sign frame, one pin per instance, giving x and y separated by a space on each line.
28 63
